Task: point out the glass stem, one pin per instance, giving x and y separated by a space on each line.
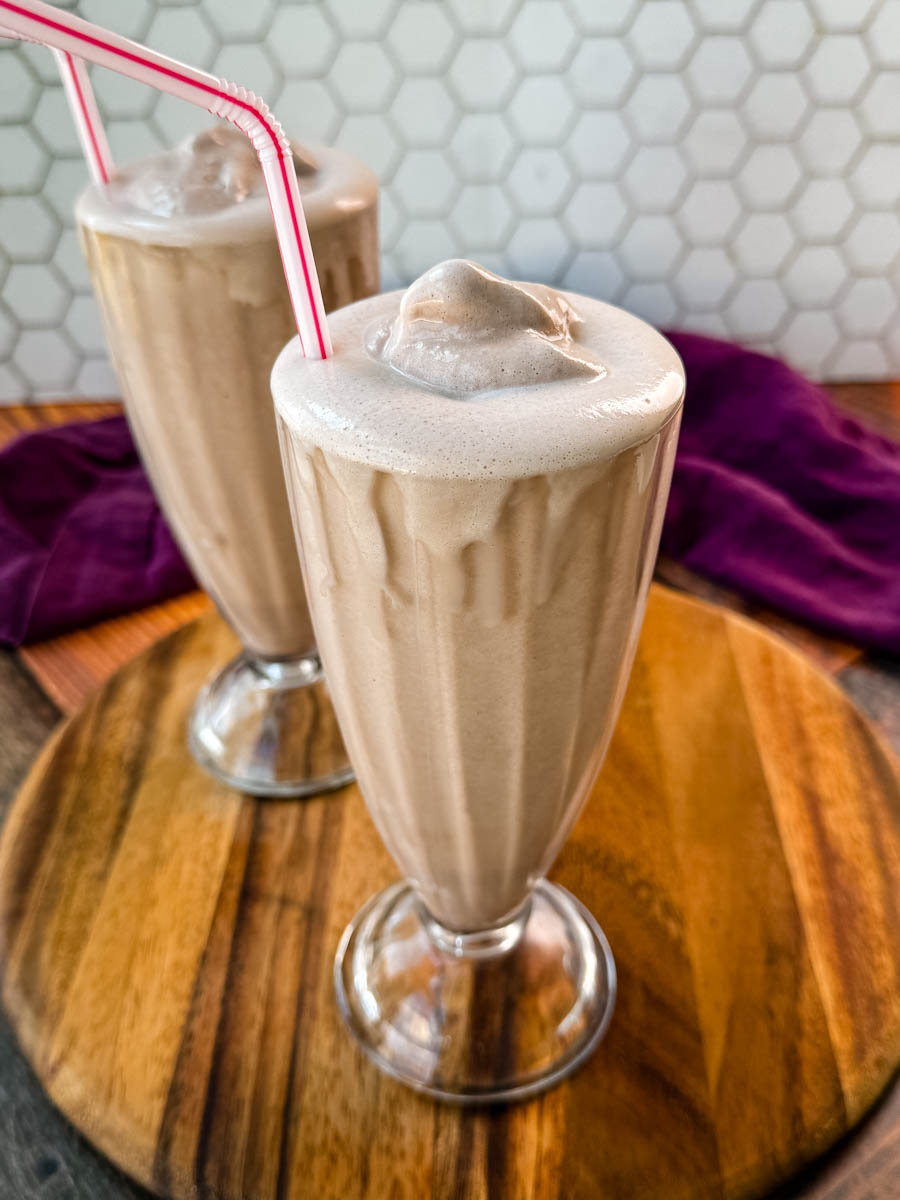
290 672
478 943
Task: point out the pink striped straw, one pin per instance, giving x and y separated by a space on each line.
85 113
40 22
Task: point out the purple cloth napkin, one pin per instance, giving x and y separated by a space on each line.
81 534
783 498
775 494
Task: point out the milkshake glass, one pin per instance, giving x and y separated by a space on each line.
186 269
478 478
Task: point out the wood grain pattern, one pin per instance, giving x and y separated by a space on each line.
42 1157
166 946
16 419
71 666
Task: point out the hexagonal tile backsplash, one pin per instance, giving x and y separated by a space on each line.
730 166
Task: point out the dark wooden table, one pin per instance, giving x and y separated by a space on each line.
41 1155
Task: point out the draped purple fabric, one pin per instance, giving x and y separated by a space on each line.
81 534
780 496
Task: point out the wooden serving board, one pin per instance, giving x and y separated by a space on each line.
166 946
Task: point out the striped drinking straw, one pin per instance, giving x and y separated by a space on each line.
78 39
83 106
86 115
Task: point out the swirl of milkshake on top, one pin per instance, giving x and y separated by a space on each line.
467 375
462 330
210 188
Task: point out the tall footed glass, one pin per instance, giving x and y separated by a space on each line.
186 269
477 562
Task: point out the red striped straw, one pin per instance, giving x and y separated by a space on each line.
40 22
85 113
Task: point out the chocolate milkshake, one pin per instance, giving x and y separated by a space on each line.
478 478
186 268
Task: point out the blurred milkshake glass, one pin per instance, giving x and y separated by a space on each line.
186 269
478 479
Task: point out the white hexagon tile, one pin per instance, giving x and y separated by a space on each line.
724 165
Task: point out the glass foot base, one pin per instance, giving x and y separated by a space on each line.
268 728
476 1018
